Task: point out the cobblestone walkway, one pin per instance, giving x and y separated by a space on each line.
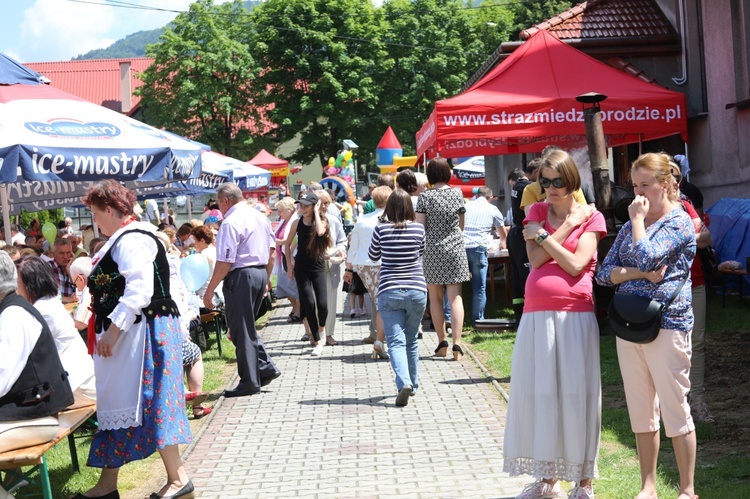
329 427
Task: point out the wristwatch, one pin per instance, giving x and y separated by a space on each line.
540 238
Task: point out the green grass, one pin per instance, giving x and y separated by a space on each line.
65 481
721 477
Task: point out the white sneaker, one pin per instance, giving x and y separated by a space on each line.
317 350
581 493
540 490
362 312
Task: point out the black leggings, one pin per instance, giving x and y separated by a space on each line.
313 295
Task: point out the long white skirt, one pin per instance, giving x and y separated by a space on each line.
554 413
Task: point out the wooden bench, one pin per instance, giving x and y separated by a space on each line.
215 317
34 456
495 325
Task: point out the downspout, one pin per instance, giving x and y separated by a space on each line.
681 80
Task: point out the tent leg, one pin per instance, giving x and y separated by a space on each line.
6 212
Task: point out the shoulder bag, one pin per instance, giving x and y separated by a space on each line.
638 318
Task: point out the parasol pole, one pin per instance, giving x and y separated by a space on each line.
6 212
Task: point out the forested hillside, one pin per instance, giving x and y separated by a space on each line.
134 45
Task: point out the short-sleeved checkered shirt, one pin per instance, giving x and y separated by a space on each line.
67 288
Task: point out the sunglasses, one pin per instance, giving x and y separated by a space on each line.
557 183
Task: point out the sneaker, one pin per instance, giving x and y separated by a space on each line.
403 396
540 490
362 312
352 314
581 493
317 350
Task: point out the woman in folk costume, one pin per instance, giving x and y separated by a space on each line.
135 339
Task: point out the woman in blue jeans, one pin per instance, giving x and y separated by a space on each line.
402 293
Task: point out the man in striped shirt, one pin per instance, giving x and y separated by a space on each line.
479 219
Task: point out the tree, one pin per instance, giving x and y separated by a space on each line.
434 47
202 82
321 71
529 13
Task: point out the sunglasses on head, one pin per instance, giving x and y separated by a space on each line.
557 183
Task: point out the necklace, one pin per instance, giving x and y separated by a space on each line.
128 220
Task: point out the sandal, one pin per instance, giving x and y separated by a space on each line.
378 350
199 411
294 318
196 398
699 411
331 342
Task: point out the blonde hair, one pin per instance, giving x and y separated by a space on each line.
323 196
286 203
660 165
380 195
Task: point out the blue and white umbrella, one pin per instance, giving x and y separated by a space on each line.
248 177
47 135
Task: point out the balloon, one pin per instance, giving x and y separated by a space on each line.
331 161
339 160
49 231
194 271
347 155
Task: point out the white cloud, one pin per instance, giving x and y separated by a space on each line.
56 30
53 30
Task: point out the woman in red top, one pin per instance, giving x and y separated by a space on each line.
698 408
554 411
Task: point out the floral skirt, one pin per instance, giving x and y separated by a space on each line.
164 418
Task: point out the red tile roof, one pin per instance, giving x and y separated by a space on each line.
600 28
606 19
97 81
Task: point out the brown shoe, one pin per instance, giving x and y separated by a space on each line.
368 340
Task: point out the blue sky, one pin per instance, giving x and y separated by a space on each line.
58 30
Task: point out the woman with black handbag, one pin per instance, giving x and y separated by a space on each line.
651 257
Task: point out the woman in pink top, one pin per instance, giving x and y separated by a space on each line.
554 412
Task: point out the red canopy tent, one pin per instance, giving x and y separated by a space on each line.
528 101
268 161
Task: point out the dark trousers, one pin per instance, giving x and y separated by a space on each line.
243 293
313 297
519 269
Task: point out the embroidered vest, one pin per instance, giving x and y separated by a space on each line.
42 389
107 285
